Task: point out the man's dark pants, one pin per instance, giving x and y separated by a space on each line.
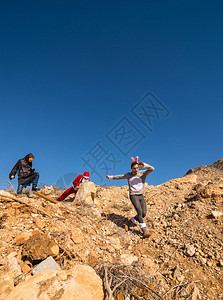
32 179
139 204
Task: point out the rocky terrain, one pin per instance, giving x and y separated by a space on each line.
96 256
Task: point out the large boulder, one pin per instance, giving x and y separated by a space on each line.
39 247
79 283
86 193
6 284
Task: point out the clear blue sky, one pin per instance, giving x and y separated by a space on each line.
76 76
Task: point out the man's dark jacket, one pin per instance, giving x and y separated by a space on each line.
23 168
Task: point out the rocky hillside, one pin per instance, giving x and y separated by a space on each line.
208 173
91 247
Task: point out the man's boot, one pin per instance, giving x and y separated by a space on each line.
19 190
35 188
145 232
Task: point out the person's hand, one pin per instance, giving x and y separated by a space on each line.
107 176
12 177
34 169
141 164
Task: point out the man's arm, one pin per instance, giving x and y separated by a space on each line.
149 168
76 181
14 171
117 177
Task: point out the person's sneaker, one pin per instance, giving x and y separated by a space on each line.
145 232
35 188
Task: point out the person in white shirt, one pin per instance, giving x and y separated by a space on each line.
136 181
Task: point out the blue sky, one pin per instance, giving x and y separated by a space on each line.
75 76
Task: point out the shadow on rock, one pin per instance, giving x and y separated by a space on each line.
119 220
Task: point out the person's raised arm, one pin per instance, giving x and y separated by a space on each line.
146 166
117 177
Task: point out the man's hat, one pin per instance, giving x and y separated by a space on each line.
86 174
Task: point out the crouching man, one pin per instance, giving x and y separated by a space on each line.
136 181
26 174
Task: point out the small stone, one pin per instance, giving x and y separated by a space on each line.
150 267
22 238
174 223
40 224
27 266
47 264
128 259
190 250
216 214
137 254
77 236
221 262
209 263
177 274
203 260
176 217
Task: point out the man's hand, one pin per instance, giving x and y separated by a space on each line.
107 176
141 164
12 177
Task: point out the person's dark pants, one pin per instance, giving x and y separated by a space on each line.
32 179
139 204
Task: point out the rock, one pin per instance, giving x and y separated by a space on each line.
47 190
209 263
203 260
115 242
95 212
3 262
128 259
190 250
39 223
149 265
216 214
137 254
27 266
177 274
13 264
21 238
5 194
77 235
221 262
86 192
210 190
47 264
39 247
174 223
80 283
176 217
6 284
193 291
